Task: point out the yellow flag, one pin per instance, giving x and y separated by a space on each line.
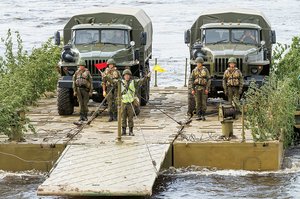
159 69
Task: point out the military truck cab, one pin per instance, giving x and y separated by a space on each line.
218 35
122 34
216 41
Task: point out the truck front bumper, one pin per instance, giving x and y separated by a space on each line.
258 79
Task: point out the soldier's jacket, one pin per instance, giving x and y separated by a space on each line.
233 78
110 74
83 79
128 89
201 78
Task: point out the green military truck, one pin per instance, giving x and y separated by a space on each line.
124 34
218 35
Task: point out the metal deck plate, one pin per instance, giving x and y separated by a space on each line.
105 170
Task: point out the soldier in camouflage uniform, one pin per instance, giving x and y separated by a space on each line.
201 84
233 81
108 86
128 92
83 89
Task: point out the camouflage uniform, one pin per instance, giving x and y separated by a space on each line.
201 82
233 83
83 88
111 86
129 100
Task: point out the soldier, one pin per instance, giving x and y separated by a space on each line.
233 81
248 37
108 86
83 89
201 84
128 91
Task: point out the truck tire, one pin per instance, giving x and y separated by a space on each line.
65 102
191 99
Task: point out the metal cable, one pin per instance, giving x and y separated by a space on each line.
94 116
140 128
27 161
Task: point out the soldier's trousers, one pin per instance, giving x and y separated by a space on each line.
127 113
83 99
233 92
201 100
112 101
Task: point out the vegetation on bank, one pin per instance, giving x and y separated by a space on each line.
271 107
24 78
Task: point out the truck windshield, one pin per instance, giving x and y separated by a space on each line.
108 36
246 36
86 36
214 36
114 36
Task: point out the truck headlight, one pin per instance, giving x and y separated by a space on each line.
254 70
198 53
71 72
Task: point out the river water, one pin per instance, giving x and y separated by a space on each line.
37 20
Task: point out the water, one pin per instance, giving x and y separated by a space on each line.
37 20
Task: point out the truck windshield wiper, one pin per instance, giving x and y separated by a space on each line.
221 41
240 41
109 43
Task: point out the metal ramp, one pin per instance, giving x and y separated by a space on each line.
94 165
105 170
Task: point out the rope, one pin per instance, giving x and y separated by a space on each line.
27 161
140 128
178 122
94 116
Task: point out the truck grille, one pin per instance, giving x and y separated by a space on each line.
221 64
90 64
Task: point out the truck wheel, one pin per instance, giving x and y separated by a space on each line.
65 102
191 99
145 93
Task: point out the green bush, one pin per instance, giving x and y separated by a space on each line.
23 79
271 107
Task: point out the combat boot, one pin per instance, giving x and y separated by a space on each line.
131 131
111 117
115 117
199 116
85 117
81 117
123 130
203 117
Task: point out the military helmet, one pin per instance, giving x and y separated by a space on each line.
199 60
127 72
232 60
81 63
111 61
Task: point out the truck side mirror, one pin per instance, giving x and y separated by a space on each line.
143 38
187 36
273 36
57 38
